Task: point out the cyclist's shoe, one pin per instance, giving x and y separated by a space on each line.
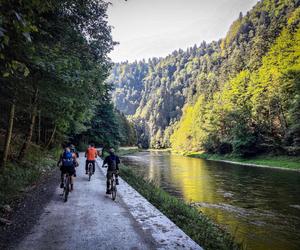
61 185
72 188
117 181
108 192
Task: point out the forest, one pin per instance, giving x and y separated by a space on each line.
239 94
54 62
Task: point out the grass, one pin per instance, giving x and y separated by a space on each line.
16 177
127 150
279 161
194 223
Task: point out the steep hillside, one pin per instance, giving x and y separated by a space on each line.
179 95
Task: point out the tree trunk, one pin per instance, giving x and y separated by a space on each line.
30 130
51 138
8 134
39 128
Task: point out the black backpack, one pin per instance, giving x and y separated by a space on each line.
113 163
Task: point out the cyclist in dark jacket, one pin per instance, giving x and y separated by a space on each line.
112 161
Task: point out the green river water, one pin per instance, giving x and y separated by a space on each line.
259 206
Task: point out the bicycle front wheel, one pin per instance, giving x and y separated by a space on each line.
113 190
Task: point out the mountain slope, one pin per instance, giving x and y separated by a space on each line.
161 95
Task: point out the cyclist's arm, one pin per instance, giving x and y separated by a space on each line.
105 161
118 162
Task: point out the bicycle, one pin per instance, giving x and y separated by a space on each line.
90 170
67 186
113 186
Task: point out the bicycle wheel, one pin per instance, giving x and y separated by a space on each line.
90 171
113 189
67 188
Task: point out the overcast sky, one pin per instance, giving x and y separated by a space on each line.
154 28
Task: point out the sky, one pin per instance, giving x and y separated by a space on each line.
155 28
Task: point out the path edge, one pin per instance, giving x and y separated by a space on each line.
165 233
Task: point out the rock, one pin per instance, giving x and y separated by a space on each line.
5 221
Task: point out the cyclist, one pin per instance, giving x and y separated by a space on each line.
91 155
67 165
113 162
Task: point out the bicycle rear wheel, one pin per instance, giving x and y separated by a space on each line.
90 170
67 188
113 189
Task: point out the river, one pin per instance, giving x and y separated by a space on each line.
259 206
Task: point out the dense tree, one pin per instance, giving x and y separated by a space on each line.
53 66
255 111
109 128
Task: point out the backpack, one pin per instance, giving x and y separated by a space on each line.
67 159
113 165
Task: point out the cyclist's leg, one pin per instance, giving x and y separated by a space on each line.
108 177
75 169
93 162
117 175
86 166
71 173
71 179
62 175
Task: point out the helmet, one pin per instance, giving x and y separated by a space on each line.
72 148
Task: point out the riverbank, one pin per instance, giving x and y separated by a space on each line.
128 150
268 161
271 161
195 224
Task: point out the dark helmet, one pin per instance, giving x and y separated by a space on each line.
72 148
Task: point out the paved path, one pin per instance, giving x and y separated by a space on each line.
89 220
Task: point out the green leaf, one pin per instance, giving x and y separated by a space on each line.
26 72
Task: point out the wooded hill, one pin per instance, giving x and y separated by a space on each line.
240 94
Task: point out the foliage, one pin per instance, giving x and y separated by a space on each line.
16 177
109 128
240 91
53 68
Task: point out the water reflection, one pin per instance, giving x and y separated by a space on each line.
259 206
